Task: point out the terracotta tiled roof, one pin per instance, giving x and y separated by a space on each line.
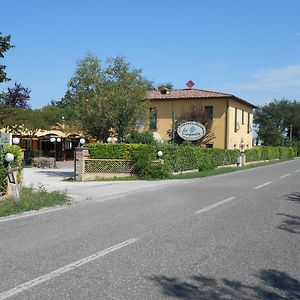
190 94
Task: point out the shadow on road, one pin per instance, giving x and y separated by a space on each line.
272 284
291 224
295 197
62 174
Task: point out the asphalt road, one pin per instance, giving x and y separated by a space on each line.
233 236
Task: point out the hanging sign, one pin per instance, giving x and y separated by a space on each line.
191 131
5 138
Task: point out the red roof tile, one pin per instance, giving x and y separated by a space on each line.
190 94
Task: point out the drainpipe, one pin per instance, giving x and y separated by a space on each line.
226 124
173 123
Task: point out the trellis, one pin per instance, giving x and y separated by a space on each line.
113 166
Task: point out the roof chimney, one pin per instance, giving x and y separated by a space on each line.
164 90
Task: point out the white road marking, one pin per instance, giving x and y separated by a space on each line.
286 175
58 272
30 214
215 205
297 171
262 185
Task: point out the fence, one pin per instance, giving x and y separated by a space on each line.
89 169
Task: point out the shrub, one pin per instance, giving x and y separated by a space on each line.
140 138
181 158
17 163
3 180
296 147
147 167
113 151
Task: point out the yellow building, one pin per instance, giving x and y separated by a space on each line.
232 117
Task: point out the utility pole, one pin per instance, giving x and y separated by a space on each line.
291 132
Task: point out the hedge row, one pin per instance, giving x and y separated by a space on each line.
17 163
182 158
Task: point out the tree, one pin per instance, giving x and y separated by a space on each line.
197 114
278 122
10 118
18 96
104 98
4 46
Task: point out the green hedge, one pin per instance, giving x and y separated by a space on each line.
181 158
267 153
17 163
115 151
296 146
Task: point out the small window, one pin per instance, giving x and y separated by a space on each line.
249 125
243 117
153 118
209 111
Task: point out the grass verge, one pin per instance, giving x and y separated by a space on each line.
31 200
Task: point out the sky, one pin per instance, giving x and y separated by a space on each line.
249 48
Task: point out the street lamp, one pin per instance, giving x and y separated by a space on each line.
242 153
160 154
9 157
82 142
112 139
54 141
112 136
16 140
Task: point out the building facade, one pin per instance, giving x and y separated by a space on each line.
232 117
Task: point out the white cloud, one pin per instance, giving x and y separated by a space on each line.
274 79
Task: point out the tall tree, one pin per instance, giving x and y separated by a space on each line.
278 122
104 98
18 96
10 118
5 45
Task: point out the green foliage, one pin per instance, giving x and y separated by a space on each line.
104 98
267 153
5 45
181 158
31 200
3 180
17 152
143 155
296 147
148 168
114 151
17 163
278 122
136 137
18 96
27 121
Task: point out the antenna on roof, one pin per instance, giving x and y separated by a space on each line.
190 84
